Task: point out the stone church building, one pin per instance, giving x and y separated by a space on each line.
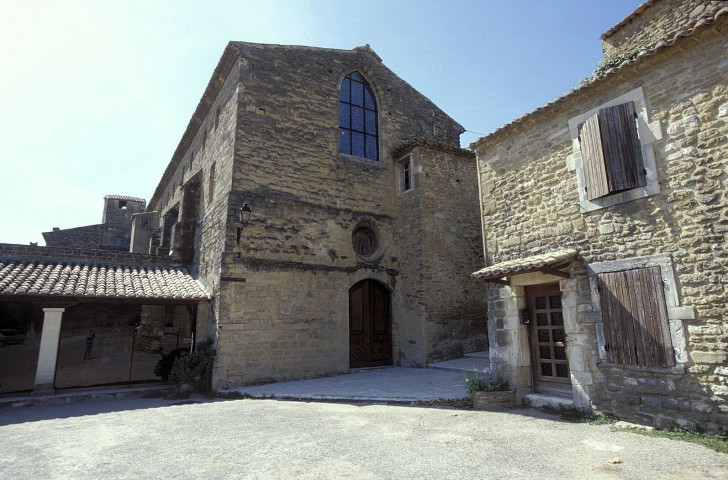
359 229
321 203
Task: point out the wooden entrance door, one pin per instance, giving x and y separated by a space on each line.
548 338
370 325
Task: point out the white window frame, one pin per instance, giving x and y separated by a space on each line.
648 133
407 159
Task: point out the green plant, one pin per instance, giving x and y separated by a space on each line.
615 61
195 369
571 414
475 383
164 365
717 442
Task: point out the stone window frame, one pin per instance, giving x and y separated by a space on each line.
381 243
676 312
381 163
647 132
409 158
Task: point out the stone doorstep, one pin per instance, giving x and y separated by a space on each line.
538 400
70 397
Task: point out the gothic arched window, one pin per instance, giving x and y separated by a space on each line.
358 118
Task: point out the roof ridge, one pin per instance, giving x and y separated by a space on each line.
124 197
443 147
237 43
689 28
636 13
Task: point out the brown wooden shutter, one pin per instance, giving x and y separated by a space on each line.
611 152
592 157
621 146
634 314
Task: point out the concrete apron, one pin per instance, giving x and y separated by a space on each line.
71 397
391 385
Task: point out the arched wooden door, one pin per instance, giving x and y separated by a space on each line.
370 325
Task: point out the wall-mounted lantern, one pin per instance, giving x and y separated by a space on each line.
243 218
244 214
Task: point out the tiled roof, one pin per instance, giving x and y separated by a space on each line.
525 265
708 19
124 197
76 279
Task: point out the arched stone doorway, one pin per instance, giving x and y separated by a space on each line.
370 325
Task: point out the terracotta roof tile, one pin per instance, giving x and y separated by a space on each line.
525 265
79 279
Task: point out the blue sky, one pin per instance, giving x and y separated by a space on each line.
95 95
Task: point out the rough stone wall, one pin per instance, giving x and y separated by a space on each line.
101 236
284 302
113 233
659 20
100 257
116 214
452 249
143 227
531 205
410 281
296 255
206 228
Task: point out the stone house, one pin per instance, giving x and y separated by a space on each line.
604 222
113 233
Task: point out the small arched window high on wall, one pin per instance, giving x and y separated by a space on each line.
358 118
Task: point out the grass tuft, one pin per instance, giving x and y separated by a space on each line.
717 442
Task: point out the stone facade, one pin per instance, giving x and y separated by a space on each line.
113 233
528 173
266 134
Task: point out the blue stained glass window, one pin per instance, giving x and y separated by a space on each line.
371 122
368 99
357 144
344 91
344 140
357 119
371 146
357 94
358 129
344 115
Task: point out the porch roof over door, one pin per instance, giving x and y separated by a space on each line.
546 263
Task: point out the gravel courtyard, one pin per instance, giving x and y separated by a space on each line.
156 438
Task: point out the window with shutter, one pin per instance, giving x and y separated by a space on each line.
634 315
611 151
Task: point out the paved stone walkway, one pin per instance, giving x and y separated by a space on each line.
385 384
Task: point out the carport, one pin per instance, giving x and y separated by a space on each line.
81 324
